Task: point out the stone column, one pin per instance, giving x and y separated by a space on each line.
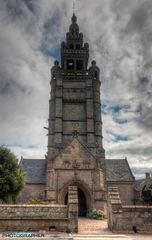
97 110
73 208
51 186
58 112
114 206
90 112
51 119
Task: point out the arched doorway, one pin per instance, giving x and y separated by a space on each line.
82 203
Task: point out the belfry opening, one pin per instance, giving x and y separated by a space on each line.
82 203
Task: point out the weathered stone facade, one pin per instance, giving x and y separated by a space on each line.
76 165
32 191
75 149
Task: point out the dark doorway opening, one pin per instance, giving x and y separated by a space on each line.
82 204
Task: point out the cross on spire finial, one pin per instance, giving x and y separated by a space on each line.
73 6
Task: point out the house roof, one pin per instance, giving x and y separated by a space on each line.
117 170
35 170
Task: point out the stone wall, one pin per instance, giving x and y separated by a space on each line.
123 218
32 191
41 217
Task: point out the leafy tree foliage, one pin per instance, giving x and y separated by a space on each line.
12 177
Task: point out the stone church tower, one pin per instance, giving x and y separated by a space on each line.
75 151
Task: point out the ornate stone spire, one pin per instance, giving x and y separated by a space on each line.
74 53
74 28
74 18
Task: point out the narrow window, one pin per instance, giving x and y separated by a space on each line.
70 64
79 64
96 74
78 46
71 46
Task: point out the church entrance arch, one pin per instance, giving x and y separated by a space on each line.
84 197
82 203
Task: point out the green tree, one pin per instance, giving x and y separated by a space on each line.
12 178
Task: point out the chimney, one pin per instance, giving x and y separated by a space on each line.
147 175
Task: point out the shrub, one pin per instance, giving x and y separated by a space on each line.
97 214
12 178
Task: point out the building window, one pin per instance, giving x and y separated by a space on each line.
77 46
96 74
70 64
79 64
71 46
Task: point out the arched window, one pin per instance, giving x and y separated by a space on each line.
70 64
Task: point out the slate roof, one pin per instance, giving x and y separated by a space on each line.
118 170
35 170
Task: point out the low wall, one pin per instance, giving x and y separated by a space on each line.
33 217
123 218
41 217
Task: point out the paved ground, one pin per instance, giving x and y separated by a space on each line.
91 226
88 230
95 227
61 236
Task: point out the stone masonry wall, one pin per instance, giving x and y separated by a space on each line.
41 217
123 218
33 217
32 191
73 208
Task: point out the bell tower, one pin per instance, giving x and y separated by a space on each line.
75 95
74 55
75 116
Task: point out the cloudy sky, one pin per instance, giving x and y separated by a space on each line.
119 33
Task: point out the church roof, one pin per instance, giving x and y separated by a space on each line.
118 170
35 170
